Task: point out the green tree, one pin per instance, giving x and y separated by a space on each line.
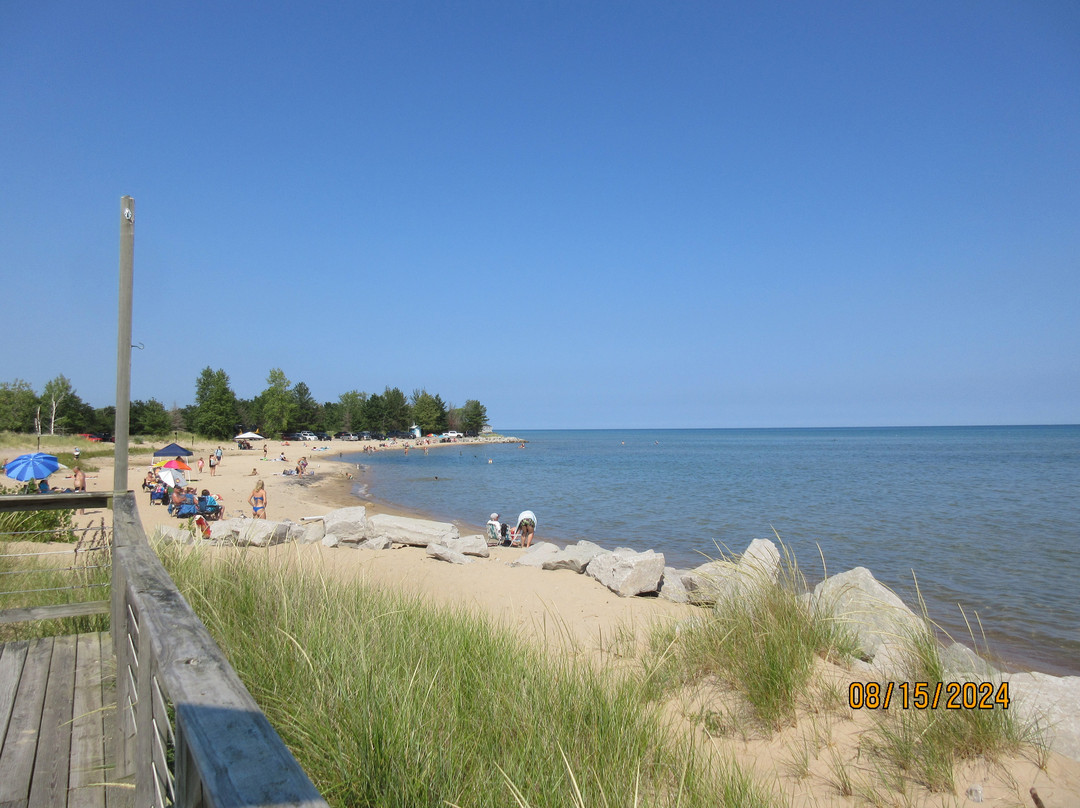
351 411
215 405
373 416
149 418
307 408
55 399
278 403
428 412
396 414
473 417
18 403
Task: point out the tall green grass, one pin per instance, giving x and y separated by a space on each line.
762 643
388 701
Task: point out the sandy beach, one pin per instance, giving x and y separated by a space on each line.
570 612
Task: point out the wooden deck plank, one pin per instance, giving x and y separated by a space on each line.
20 743
86 787
12 657
49 785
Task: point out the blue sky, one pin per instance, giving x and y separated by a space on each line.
581 214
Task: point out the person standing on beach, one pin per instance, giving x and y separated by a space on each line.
213 463
258 501
80 483
526 526
200 464
219 455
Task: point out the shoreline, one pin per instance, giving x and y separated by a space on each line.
332 484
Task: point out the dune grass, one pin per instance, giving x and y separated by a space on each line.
927 744
763 643
388 701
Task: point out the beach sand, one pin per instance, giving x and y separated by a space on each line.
567 611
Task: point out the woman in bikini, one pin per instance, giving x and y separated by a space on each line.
258 501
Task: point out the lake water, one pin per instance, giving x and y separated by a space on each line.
984 517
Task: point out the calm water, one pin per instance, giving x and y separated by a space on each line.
984 517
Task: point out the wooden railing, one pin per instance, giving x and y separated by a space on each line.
188 732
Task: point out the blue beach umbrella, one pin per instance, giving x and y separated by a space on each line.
33 466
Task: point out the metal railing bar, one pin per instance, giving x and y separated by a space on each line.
163 707
54 552
58 569
51 589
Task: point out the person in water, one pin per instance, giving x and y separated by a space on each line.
258 501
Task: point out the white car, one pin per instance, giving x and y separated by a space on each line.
307 434
452 434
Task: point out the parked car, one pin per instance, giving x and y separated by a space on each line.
345 436
291 436
365 436
307 434
453 434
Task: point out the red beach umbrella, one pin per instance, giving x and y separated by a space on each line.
178 464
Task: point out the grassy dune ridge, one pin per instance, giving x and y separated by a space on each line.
385 700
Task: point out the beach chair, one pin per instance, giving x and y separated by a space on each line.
493 537
157 495
208 510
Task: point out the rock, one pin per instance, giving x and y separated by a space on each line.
226 530
671 586
173 534
262 532
330 540
536 555
1053 701
313 532
348 524
406 530
574 557
713 582
716 581
627 572
871 611
444 553
381 543
470 545
961 664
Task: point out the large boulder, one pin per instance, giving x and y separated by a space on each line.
537 554
574 557
717 581
444 553
671 586
262 532
226 530
313 531
381 543
348 524
1052 701
627 572
174 534
874 614
470 545
406 530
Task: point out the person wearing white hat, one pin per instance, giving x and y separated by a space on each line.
494 530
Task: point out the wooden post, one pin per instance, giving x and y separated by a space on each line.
123 343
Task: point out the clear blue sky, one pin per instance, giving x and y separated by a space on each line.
582 214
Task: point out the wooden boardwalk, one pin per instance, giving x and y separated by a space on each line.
57 712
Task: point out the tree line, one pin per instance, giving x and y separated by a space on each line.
219 413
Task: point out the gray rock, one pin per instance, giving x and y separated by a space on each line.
536 555
406 530
226 530
444 553
262 532
671 586
348 524
174 534
713 582
871 611
470 545
717 581
574 557
626 572
330 540
381 543
1052 701
964 665
314 531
